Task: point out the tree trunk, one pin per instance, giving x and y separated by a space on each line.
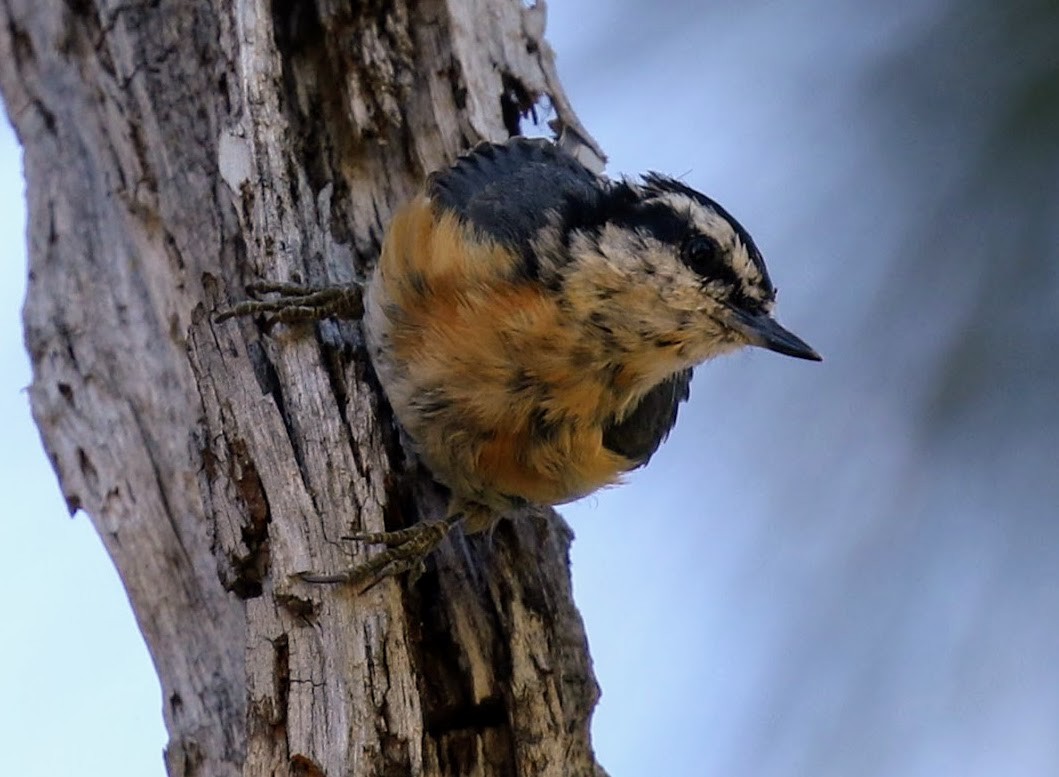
175 150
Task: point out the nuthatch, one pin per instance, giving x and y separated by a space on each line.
534 327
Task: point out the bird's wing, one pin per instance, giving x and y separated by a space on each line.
509 191
638 435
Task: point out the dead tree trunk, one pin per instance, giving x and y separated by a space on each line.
174 150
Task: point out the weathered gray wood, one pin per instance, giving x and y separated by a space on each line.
175 150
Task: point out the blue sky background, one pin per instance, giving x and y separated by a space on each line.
841 569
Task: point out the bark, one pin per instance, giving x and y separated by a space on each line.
175 150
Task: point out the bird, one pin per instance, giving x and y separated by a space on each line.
534 326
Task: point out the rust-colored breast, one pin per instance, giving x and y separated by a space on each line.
482 368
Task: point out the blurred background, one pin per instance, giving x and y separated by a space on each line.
841 569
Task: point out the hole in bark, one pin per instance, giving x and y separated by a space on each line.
460 750
518 103
489 713
281 677
297 606
222 90
296 24
80 7
264 371
400 509
250 568
313 90
300 766
396 760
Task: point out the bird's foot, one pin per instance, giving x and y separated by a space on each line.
298 303
406 549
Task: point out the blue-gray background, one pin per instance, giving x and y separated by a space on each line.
840 569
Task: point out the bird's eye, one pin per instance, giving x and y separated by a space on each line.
702 254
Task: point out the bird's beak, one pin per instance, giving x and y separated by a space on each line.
762 330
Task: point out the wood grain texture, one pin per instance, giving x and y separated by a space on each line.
174 150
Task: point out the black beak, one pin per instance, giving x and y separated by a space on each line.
761 330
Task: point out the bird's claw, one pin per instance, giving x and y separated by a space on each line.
297 303
405 551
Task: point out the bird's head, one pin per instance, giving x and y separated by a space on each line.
664 270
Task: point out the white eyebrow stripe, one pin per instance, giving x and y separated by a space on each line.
709 222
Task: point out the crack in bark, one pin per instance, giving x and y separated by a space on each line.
271 385
281 678
163 495
251 568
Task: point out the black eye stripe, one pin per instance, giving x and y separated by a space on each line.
623 206
662 184
655 219
708 259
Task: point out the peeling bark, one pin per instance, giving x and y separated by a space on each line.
174 150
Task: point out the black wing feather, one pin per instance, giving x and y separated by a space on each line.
639 434
509 191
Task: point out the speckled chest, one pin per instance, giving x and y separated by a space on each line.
501 392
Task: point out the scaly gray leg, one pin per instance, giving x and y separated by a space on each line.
406 549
